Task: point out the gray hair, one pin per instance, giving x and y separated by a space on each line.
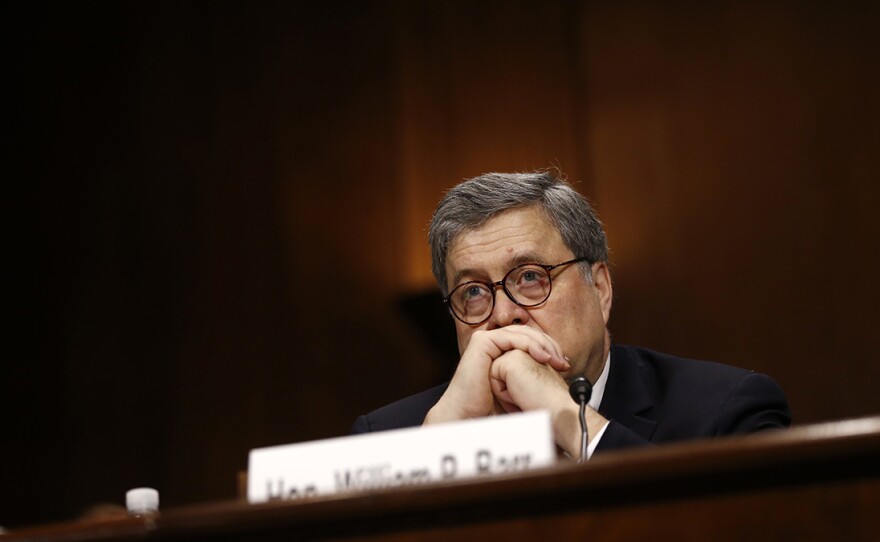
472 203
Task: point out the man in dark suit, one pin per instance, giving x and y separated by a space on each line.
538 241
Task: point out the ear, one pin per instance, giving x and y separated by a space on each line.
604 290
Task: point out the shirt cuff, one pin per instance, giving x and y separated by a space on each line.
595 442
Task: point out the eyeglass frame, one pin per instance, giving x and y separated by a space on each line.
493 287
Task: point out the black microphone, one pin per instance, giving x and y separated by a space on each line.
581 390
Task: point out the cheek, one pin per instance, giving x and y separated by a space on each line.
463 334
591 318
581 320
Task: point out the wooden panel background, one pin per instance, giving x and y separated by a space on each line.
216 212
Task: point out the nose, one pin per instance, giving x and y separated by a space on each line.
506 312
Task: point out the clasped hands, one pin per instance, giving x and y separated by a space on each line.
512 369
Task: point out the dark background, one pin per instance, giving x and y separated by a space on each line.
215 211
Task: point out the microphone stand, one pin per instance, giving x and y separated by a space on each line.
580 390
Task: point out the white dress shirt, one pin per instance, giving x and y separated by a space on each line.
596 400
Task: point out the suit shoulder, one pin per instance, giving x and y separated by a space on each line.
715 397
669 370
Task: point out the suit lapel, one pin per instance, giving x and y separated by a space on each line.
626 398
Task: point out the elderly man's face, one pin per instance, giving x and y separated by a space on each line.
577 311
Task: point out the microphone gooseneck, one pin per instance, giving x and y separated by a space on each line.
581 390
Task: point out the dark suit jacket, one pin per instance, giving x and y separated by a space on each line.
649 397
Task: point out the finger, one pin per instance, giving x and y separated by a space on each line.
548 343
540 346
526 384
509 407
559 361
499 388
503 399
498 408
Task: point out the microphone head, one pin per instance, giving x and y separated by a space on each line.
580 390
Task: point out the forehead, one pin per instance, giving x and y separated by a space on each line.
514 236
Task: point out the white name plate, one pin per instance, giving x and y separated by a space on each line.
403 457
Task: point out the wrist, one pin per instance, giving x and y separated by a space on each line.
567 428
436 415
447 409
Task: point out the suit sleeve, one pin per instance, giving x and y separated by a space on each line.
361 425
757 404
618 436
407 412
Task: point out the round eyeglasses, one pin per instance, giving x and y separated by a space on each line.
527 285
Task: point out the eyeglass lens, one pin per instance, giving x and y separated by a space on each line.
527 285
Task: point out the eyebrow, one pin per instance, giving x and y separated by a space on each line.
519 259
